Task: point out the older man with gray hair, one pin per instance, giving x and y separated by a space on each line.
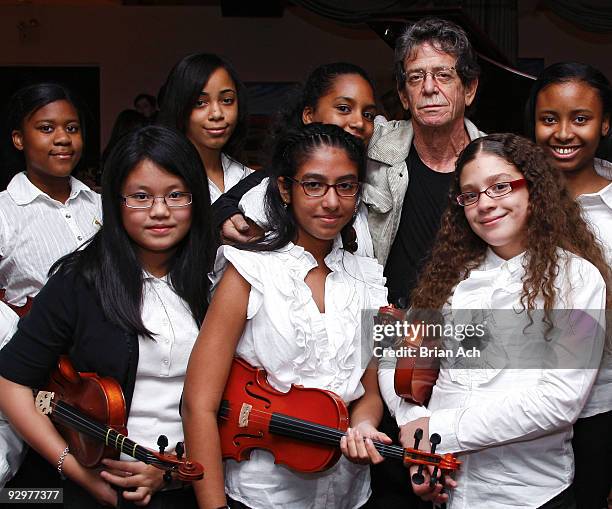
412 162
411 165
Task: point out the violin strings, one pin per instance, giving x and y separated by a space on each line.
317 432
99 431
311 431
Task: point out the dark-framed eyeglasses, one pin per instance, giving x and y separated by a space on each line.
175 199
317 189
496 190
441 75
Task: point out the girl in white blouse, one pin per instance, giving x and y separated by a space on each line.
568 115
291 304
44 213
205 100
512 239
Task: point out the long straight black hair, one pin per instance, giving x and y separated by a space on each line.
178 96
109 262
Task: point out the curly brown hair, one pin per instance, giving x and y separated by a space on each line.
554 220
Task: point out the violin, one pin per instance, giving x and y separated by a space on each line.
20 310
89 412
415 375
302 428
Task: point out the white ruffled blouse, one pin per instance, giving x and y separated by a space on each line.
295 343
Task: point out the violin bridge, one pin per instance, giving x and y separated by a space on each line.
43 402
243 418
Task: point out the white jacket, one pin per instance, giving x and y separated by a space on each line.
387 180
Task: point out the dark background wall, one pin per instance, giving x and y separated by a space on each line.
135 46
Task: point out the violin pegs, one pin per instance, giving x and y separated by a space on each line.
162 443
434 477
180 450
418 478
434 439
418 435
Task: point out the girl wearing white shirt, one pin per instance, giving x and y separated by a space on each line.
44 213
568 114
504 244
291 304
127 306
205 100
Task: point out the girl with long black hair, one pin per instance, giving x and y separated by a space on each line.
205 100
291 304
127 306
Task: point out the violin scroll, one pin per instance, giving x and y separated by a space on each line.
187 470
443 465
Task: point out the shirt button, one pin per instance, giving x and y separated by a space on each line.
68 216
165 361
79 238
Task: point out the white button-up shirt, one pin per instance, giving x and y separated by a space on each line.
295 343
597 208
233 172
162 364
36 230
511 427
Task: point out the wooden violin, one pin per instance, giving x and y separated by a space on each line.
415 374
89 412
20 310
302 428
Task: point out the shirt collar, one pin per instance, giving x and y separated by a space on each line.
23 192
331 260
603 169
147 276
493 262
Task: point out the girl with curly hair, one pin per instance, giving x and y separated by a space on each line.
512 238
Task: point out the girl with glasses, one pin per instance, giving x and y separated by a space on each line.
205 100
568 115
290 303
127 306
504 250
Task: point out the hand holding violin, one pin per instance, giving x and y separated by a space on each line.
358 446
146 479
420 476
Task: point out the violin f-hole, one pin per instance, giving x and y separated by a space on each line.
256 396
237 438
